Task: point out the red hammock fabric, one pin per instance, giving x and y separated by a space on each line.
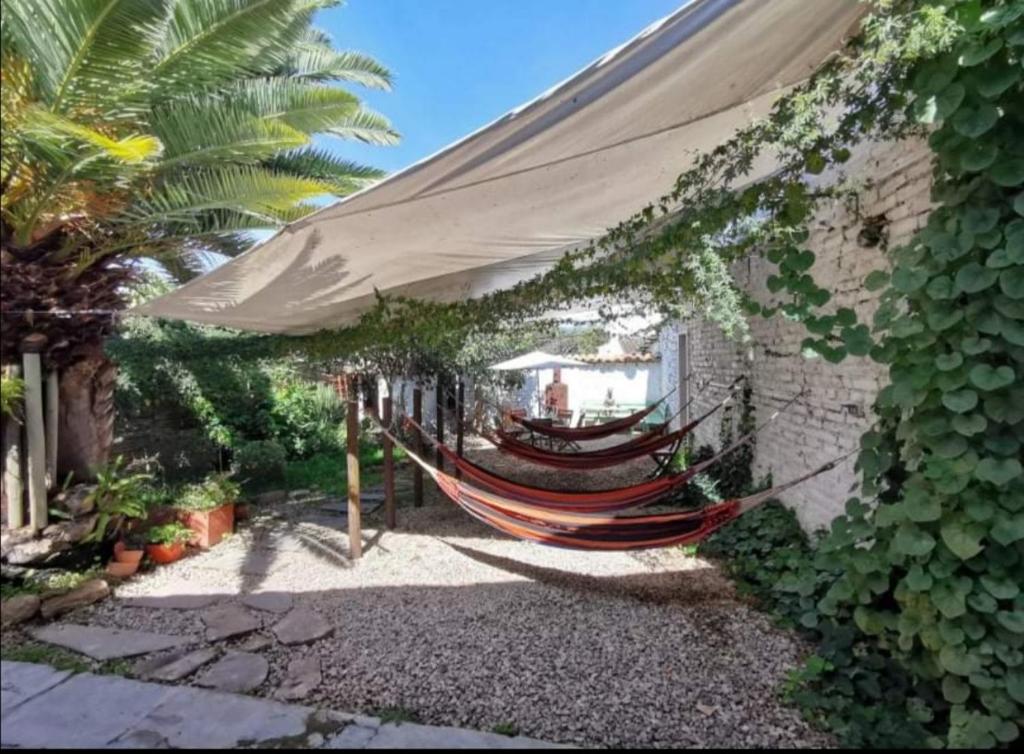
617 499
587 460
596 432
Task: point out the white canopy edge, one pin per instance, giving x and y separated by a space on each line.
504 203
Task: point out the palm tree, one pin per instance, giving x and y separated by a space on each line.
154 130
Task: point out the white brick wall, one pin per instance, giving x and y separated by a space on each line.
837 408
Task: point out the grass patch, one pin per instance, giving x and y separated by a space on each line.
55 657
397 715
38 582
328 472
506 729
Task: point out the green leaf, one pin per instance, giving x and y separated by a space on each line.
1008 529
990 378
920 506
877 280
974 122
998 471
908 280
1011 282
1003 588
913 541
979 52
973 345
1011 621
960 401
996 81
1008 173
969 424
948 361
1015 685
939 106
978 156
955 690
963 538
973 278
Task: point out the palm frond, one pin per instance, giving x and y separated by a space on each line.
217 40
310 108
84 53
133 148
259 195
318 62
216 130
345 176
366 126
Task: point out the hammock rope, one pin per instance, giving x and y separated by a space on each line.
596 531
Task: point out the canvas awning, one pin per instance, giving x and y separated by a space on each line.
505 202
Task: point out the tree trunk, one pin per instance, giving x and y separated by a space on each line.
86 433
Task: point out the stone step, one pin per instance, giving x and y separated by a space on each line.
105 643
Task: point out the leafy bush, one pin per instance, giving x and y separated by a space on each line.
852 685
119 498
305 418
215 491
260 461
168 534
12 390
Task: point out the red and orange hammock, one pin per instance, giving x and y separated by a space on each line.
595 432
585 531
596 501
647 444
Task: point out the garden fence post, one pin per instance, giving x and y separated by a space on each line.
390 519
417 474
460 420
52 421
14 482
439 405
35 432
355 529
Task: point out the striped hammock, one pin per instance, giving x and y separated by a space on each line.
583 531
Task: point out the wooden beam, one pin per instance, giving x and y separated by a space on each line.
417 474
390 517
460 420
439 405
355 511
35 437
52 420
14 481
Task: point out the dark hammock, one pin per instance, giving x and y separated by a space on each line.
637 447
595 432
596 532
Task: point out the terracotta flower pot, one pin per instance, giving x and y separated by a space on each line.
122 570
164 554
124 555
209 527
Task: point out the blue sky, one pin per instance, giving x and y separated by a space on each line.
459 64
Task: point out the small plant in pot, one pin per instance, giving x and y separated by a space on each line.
208 509
128 553
167 542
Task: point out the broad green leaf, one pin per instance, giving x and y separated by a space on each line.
979 52
1008 529
1012 621
1011 282
972 278
963 538
969 424
913 541
974 122
877 280
989 378
1004 588
948 361
960 401
1008 173
999 471
972 345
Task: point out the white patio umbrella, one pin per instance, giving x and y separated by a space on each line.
536 360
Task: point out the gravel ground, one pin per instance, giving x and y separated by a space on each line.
463 627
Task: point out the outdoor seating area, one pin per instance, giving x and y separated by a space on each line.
650 375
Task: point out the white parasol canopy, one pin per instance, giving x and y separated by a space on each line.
537 360
507 201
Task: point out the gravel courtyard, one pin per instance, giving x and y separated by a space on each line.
453 625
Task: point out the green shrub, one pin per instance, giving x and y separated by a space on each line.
260 461
215 491
852 685
12 390
168 534
306 418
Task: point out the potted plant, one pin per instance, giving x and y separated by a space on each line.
208 509
167 542
130 550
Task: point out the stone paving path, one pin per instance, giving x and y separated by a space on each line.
45 708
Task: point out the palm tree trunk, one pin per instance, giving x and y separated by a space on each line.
86 433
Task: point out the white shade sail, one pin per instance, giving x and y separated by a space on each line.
537 360
502 204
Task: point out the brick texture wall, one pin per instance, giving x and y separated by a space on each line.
837 408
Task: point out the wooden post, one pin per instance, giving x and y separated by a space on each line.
14 482
52 417
417 474
460 420
35 431
390 517
355 512
439 405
